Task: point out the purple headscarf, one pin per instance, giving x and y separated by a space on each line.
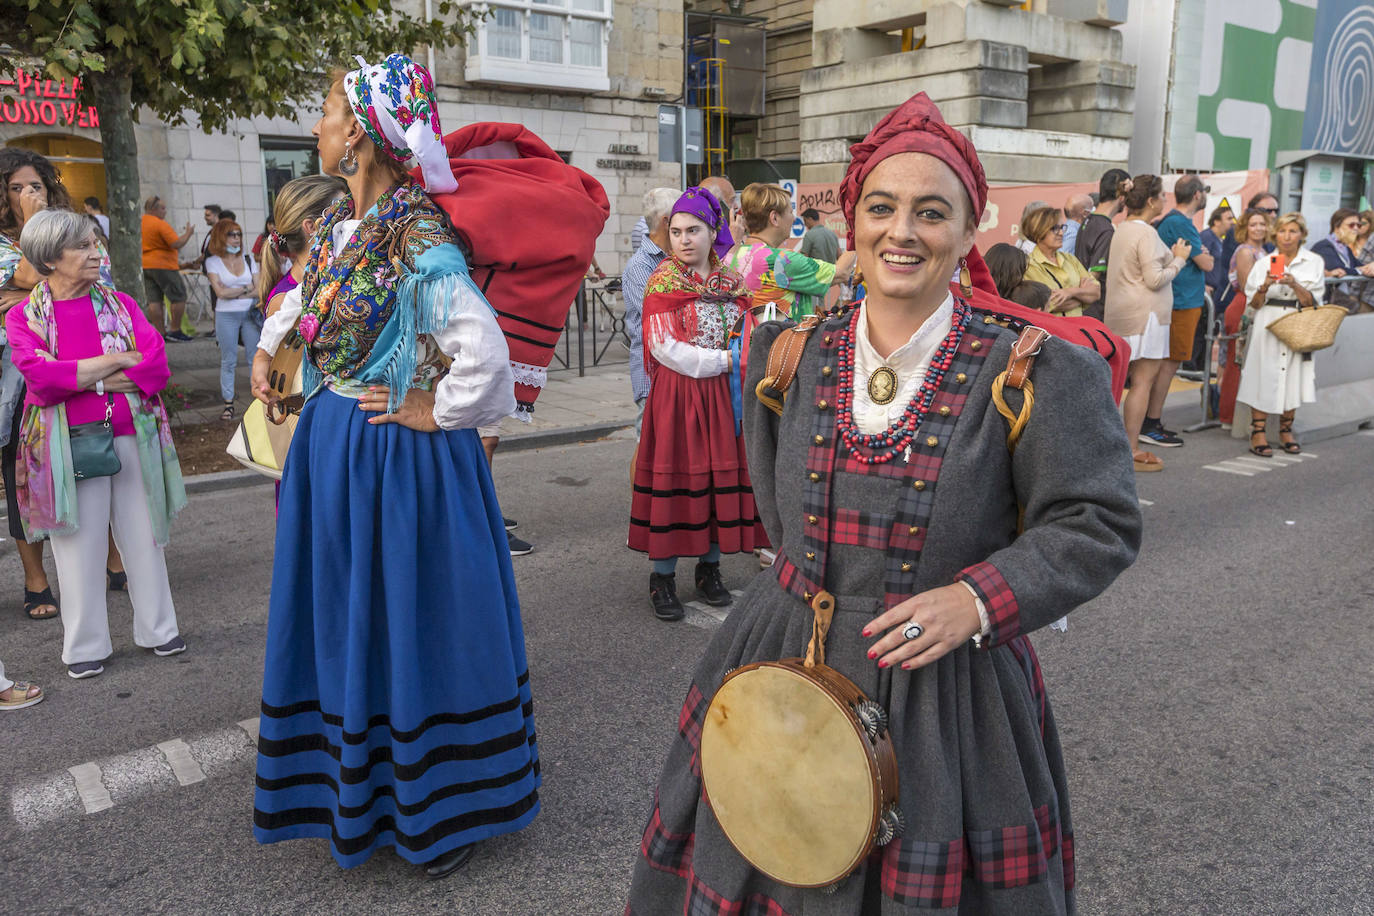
702 204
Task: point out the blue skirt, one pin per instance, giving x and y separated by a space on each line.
396 704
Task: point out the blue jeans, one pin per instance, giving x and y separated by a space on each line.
230 327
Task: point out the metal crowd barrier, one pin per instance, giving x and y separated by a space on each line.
1216 339
594 307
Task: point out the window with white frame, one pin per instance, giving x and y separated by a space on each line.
549 43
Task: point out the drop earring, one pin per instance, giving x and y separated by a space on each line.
348 165
965 278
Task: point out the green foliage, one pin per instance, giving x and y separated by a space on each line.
221 59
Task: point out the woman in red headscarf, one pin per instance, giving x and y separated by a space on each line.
887 482
691 485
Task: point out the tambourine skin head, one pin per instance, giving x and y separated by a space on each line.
790 774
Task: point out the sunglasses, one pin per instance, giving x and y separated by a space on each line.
233 235
1060 228
1272 211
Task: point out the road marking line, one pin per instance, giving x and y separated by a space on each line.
737 592
1147 502
184 766
1259 464
1226 470
1286 460
716 612
250 726
94 796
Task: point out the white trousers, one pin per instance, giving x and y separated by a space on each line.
5 683
112 504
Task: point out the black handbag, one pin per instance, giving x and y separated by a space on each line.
93 453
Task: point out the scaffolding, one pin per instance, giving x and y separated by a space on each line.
708 90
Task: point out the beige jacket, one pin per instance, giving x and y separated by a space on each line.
1140 268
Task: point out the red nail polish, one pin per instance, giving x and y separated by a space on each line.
882 664
867 632
873 655
906 666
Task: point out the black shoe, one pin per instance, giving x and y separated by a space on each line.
663 594
510 523
450 862
116 581
713 591
178 336
518 548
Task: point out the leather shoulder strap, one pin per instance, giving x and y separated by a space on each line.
783 359
1017 375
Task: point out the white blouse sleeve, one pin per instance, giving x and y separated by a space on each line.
279 324
689 360
479 389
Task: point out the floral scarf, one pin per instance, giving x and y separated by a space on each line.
43 468
365 309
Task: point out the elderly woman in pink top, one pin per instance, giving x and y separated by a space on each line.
95 449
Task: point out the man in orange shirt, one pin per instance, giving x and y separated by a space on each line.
161 278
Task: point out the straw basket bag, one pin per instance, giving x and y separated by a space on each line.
1305 330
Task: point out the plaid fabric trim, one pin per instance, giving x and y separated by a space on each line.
1015 856
1066 847
702 901
820 463
1025 655
860 529
1004 614
665 850
931 874
689 724
924 874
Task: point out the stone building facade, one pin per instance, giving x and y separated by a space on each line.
1043 90
585 75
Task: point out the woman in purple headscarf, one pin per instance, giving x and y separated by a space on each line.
691 484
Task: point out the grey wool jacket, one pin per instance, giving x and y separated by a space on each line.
1071 472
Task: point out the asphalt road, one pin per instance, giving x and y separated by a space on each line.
1214 705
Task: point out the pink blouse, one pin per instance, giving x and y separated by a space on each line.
52 381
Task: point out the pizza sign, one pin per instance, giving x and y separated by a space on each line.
31 98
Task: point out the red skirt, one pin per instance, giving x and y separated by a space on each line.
1230 375
691 480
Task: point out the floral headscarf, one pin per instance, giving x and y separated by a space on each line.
394 102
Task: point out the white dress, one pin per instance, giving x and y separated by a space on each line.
1274 379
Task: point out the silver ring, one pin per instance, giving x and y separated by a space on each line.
912 630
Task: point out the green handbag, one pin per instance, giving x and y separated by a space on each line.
93 453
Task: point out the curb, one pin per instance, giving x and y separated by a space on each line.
229 480
563 436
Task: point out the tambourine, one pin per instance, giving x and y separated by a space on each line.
798 766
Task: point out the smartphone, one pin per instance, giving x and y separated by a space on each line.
1278 264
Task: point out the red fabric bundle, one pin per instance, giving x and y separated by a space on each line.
1084 331
531 222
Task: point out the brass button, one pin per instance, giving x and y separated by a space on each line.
823 404
826 370
827 338
961 378
810 555
988 319
976 345
944 411
918 485
932 441
819 440
814 476
906 567
807 595
914 529
811 519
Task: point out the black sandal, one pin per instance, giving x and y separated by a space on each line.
1286 429
35 600
227 413
1257 428
116 581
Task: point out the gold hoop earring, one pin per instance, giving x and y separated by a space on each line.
348 165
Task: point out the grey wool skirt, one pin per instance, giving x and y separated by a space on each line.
982 786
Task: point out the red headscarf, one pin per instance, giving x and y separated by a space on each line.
916 126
